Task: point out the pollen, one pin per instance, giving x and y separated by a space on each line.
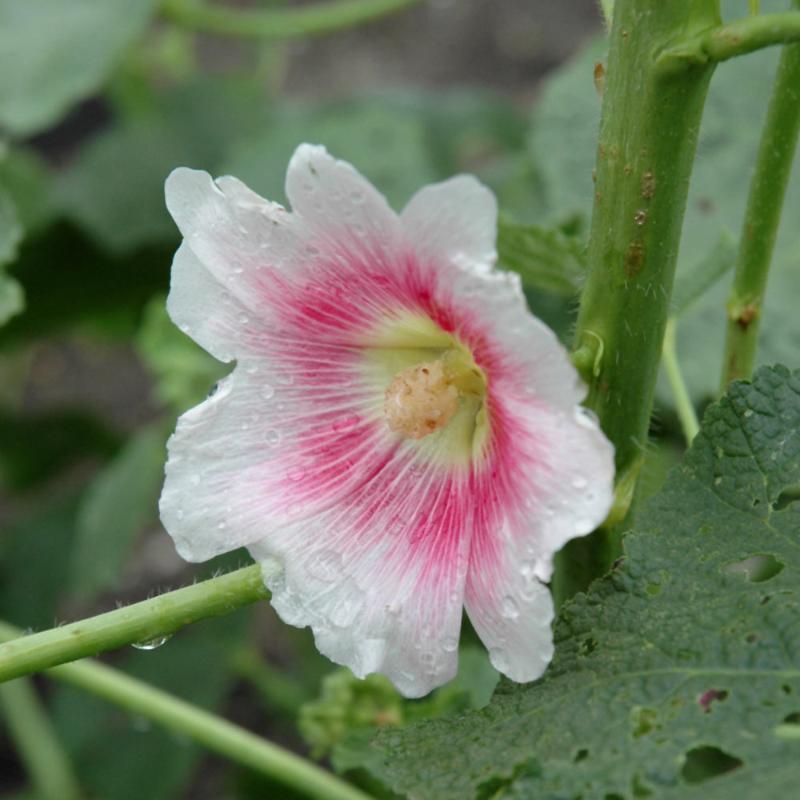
420 400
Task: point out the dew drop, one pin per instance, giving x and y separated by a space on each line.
267 391
325 565
357 197
579 483
152 644
450 644
272 437
179 513
286 380
748 412
510 607
344 613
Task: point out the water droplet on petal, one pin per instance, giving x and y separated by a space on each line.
450 644
344 613
510 607
152 644
272 437
579 483
296 474
325 565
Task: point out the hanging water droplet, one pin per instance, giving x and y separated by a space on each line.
152 644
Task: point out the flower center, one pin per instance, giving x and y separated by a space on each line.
424 398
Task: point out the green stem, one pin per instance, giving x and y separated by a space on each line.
207 729
313 20
683 402
762 218
734 39
648 139
36 742
141 622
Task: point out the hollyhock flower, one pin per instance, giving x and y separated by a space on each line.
399 439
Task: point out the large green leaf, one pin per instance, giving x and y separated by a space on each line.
119 502
677 675
563 144
56 52
114 189
545 258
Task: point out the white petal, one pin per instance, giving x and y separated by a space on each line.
383 595
338 203
570 494
202 308
240 238
453 221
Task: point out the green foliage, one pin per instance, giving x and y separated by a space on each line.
11 297
348 710
184 373
119 502
54 53
545 258
676 675
122 758
563 142
114 189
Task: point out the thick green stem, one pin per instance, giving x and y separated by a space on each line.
211 731
314 20
734 39
36 742
762 217
648 138
138 623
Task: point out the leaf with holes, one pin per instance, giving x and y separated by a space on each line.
677 675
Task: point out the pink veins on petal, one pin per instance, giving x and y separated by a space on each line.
374 539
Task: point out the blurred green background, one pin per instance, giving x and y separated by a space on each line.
99 100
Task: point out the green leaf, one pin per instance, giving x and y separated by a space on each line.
546 259
34 555
54 53
184 373
677 674
118 503
693 284
386 144
12 299
114 189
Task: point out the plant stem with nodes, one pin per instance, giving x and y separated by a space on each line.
762 218
142 622
648 138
